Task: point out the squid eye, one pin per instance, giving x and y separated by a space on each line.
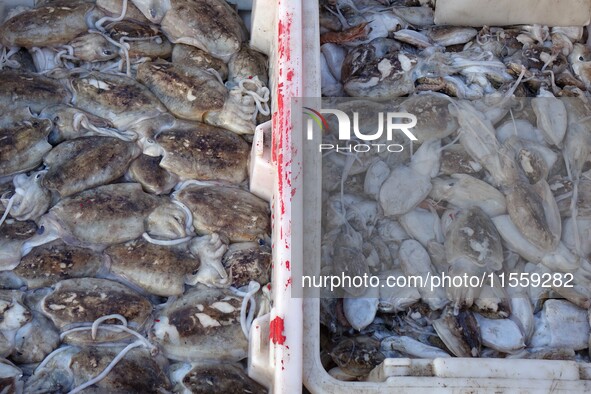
581 58
56 119
38 176
152 12
261 242
107 52
40 230
150 141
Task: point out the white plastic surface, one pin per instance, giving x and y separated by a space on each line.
513 12
451 375
274 360
277 30
263 23
261 170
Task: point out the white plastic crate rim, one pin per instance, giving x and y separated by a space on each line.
275 354
512 12
404 375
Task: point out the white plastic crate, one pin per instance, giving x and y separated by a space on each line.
275 354
403 375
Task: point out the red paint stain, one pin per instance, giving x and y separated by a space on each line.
276 328
287 264
288 283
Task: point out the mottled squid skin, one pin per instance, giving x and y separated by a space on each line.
204 152
45 26
154 179
102 216
137 372
87 162
157 269
153 43
202 324
191 56
247 219
13 235
211 25
23 145
117 98
81 300
187 92
205 377
32 90
47 264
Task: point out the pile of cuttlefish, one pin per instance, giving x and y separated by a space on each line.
133 258
496 186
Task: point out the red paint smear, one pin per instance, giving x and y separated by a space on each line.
276 328
288 283
281 119
287 265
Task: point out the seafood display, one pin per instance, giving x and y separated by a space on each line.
491 187
133 258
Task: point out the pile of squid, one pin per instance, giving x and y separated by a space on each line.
496 185
133 258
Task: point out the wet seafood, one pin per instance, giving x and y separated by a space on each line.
30 200
50 263
196 94
74 366
498 185
194 57
211 25
146 171
460 334
414 260
248 63
70 122
144 41
114 7
35 340
357 356
118 98
248 261
201 152
87 162
500 334
10 376
472 246
93 48
45 26
360 312
86 254
247 221
412 347
157 269
201 378
13 235
74 302
203 324
37 91
550 329
23 146
128 209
